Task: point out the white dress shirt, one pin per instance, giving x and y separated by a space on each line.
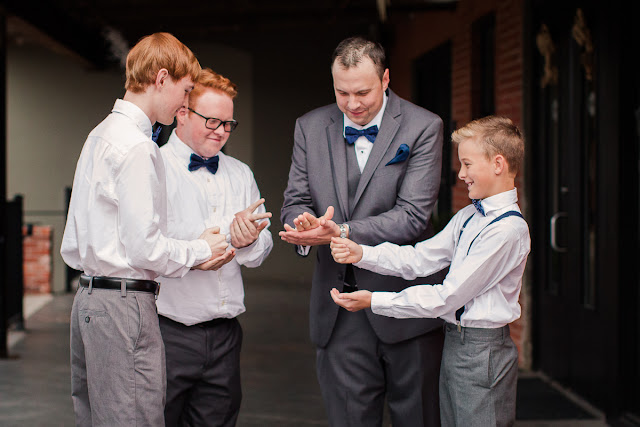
486 282
116 225
202 197
362 145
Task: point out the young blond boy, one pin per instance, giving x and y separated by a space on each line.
116 234
485 245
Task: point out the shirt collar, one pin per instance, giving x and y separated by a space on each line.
377 120
500 200
136 114
182 150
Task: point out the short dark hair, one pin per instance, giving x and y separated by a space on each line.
350 52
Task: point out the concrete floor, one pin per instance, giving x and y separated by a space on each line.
278 365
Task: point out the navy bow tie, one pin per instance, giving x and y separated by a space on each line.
478 204
156 133
197 162
351 134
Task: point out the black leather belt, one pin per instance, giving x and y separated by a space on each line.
115 283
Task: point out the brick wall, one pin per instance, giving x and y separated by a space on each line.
37 259
418 32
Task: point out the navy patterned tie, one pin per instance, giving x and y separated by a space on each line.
352 134
156 133
478 204
197 162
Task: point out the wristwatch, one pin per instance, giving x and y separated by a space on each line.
344 229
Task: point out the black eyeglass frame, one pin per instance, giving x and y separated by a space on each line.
232 123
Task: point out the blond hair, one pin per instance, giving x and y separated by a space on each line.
209 79
498 135
155 52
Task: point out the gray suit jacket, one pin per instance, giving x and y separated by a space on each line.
393 202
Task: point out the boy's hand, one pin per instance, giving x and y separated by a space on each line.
215 263
345 251
353 301
245 228
217 242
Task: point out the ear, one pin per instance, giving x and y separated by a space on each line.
182 115
500 164
385 80
161 77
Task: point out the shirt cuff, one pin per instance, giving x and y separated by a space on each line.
202 251
381 302
369 258
303 250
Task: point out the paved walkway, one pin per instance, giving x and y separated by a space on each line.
278 366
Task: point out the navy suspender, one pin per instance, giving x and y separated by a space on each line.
504 215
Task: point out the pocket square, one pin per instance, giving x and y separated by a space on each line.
401 155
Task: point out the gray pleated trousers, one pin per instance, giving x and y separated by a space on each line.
478 377
117 359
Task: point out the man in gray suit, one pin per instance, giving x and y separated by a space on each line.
341 183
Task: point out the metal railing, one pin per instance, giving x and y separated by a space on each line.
12 278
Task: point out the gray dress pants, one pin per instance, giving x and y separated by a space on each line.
478 377
117 359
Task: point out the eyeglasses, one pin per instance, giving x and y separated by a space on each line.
213 123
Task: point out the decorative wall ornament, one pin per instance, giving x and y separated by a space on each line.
582 35
546 47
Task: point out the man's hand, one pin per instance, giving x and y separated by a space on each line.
311 231
245 228
217 242
306 221
216 263
345 251
353 301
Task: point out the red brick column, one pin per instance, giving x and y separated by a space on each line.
37 259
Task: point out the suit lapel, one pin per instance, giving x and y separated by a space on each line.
388 129
338 158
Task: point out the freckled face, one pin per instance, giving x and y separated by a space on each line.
203 141
359 90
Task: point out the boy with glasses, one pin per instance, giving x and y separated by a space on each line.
198 312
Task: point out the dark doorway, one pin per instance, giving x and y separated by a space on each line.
432 77
575 133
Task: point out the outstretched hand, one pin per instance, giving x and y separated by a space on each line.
353 301
311 231
245 226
